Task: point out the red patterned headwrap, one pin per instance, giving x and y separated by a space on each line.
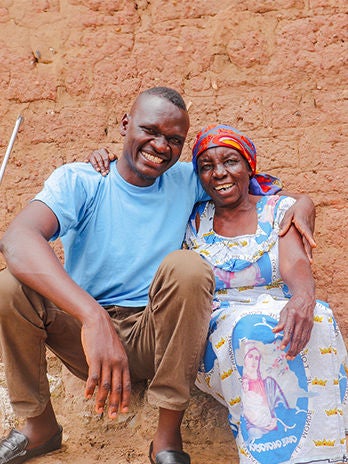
221 135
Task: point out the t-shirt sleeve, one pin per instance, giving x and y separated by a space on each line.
191 181
64 192
201 193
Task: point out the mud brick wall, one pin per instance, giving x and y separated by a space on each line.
275 69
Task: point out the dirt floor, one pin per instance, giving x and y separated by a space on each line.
88 439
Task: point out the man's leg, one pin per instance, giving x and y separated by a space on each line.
181 300
27 323
168 340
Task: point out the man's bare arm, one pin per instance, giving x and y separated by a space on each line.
32 261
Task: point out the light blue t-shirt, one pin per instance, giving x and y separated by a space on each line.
115 234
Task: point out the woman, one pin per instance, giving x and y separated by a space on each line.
275 356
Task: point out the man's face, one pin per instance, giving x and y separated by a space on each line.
155 132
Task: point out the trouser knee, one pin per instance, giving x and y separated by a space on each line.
9 288
189 270
16 297
183 283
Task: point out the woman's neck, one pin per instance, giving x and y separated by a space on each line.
241 219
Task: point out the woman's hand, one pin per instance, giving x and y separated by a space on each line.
302 215
296 320
100 159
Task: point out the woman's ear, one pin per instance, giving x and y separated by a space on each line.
250 171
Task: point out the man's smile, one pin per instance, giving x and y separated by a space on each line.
152 158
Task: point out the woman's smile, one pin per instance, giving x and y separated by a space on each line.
224 187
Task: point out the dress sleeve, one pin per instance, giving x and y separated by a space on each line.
282 205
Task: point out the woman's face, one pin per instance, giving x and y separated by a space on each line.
225 175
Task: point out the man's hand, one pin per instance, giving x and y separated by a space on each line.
296 320
100 159
108 366
302 215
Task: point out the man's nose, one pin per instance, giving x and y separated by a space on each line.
160 143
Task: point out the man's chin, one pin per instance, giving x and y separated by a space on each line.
153 171
149 176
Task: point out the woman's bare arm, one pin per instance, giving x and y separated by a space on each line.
302 216
296 318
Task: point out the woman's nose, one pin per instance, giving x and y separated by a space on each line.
219 170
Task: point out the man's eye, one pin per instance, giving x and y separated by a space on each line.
148 130
175 141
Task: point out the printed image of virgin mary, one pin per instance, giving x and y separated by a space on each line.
260 396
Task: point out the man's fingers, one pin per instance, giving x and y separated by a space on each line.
115 395
91 384
116 392
102 394
120 394
126 391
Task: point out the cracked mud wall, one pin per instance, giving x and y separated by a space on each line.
276 70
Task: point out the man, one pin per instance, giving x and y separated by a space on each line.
129 304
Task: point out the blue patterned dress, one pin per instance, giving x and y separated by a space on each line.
280 411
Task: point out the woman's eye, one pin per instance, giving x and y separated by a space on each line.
230 162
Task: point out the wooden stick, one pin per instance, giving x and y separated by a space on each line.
10 145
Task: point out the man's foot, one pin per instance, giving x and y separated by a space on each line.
166 447
169 457
13 448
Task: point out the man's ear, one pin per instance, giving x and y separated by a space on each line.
124 124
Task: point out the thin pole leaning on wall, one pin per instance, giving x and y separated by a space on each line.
10 145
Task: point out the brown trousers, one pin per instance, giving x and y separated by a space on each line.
164 341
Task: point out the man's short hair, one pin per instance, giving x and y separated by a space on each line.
170 94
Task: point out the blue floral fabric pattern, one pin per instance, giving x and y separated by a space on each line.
279 411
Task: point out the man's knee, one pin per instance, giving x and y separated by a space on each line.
9 288
15 297
187 267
